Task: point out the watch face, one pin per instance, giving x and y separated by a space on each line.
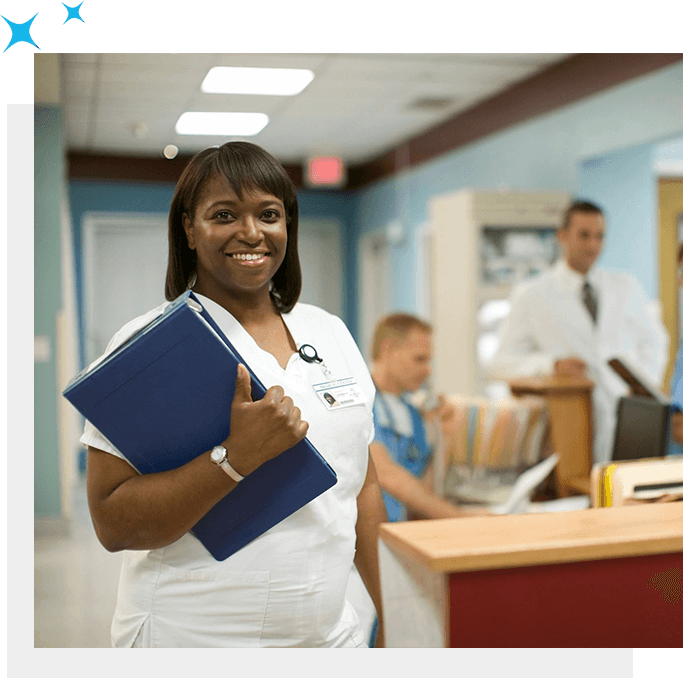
218 454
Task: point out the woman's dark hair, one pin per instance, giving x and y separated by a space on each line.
243 166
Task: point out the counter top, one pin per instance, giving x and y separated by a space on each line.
490 542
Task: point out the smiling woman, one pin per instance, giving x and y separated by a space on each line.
233 241
227 174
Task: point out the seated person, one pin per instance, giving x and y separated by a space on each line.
401 451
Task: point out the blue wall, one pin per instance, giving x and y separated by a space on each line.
625 186
48 183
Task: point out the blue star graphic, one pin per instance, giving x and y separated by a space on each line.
20 32
73 13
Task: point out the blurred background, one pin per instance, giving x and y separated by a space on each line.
370 141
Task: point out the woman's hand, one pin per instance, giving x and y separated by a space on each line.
261 430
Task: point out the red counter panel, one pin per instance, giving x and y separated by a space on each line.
620 602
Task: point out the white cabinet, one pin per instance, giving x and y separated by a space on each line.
482 244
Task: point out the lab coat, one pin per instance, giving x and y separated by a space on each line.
548 321
287 588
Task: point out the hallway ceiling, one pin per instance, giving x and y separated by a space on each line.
357 107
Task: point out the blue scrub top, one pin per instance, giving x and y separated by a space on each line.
412 453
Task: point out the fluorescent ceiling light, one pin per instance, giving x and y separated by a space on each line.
222 124
274 81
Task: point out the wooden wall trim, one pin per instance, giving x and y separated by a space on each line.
94 167
558 85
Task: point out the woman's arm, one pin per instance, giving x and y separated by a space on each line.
371 512
132 511
139 512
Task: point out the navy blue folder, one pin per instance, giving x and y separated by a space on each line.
163 397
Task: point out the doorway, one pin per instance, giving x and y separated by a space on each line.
373 287
670 222
124 268
320 256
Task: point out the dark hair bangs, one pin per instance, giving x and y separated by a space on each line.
245 170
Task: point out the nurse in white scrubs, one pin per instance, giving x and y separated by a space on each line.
233 240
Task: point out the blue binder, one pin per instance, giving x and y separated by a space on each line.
163 398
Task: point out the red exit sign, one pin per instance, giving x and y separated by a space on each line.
326 171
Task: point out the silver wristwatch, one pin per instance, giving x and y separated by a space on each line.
219 456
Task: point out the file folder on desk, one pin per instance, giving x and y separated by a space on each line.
163 398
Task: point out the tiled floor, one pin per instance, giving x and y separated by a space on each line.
75 582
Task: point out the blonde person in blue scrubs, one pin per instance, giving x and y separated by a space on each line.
402 451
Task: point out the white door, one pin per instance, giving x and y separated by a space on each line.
125 271
424 272
373 286
320 255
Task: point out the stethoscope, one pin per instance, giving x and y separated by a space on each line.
412 452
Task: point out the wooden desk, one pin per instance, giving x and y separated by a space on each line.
569 401
593 578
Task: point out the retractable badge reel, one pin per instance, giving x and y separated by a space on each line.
333 393
309 353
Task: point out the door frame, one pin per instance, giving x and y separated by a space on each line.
669 209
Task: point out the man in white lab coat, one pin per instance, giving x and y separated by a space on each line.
576 316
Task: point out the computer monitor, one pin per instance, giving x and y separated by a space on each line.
642 428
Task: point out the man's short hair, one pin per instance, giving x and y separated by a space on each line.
581 206
395 326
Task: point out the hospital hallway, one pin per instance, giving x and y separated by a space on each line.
75 582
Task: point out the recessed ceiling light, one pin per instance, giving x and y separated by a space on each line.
222 124
273 81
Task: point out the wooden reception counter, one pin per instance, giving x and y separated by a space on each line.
608 577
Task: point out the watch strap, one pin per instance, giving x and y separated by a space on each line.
225 465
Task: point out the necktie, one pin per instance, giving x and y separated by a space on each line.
590 301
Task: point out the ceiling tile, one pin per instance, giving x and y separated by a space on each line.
358 105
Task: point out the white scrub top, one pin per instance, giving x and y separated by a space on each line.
549 321
286 588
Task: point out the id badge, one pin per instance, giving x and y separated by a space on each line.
339 393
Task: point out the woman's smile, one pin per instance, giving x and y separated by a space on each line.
249 259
